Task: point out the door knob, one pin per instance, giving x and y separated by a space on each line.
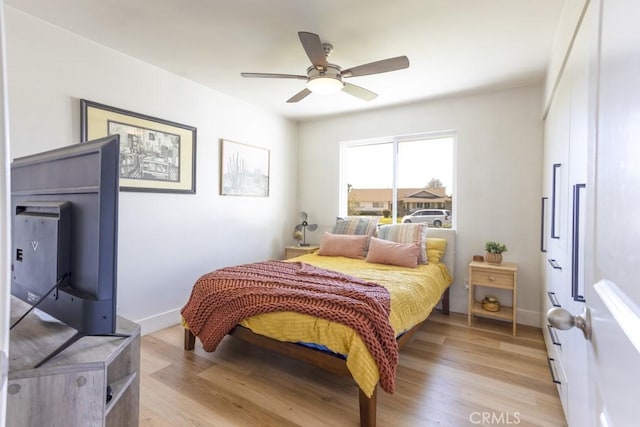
561 319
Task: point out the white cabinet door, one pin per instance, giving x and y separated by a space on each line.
582 77
556 157
572 113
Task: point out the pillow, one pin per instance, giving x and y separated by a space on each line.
356 225
392 253
435 249
346 245
407 233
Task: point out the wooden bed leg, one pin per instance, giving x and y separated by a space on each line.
445 302
189 339
368 408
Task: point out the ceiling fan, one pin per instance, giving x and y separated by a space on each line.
323 77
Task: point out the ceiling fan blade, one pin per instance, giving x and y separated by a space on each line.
313 46
359 92
383 66
313 227
304 215
298 96
274 76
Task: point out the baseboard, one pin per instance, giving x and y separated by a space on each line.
529 317
159 321
172 317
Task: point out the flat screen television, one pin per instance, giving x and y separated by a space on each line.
64 205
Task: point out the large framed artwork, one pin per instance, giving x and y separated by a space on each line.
156 155
244 169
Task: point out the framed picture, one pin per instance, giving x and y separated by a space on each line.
244 169
156 155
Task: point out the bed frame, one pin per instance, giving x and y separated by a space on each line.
330 362
326 361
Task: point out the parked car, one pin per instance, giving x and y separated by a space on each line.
433 217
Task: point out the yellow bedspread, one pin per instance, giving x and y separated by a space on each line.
414 293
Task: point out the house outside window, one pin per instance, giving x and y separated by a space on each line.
393 177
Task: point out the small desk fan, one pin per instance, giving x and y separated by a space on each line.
303 227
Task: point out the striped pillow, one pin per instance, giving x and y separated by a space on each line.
407 233
356 225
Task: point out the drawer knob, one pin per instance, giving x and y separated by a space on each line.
492 278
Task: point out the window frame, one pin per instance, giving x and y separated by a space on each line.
396 140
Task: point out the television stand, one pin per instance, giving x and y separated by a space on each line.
70 388
70 341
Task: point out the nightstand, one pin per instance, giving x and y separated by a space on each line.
294 251
501 276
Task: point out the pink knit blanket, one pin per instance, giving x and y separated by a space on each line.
221 299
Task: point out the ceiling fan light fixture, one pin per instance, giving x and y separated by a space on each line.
325 78
325 85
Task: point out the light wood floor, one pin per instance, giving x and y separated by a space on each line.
449 375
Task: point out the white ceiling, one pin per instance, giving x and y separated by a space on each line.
454 46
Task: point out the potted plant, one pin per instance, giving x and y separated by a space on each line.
494 251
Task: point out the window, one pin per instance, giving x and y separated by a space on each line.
397 176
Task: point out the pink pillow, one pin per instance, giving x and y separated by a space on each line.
387 252
347 245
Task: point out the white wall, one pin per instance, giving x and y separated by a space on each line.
498 175
166 241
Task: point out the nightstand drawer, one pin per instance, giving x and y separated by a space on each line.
495 279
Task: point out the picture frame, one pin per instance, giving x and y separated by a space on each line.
156 155
244 169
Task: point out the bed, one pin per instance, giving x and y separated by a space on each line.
333 346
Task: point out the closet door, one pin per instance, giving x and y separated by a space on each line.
580 72
570 124
554 265
556 158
